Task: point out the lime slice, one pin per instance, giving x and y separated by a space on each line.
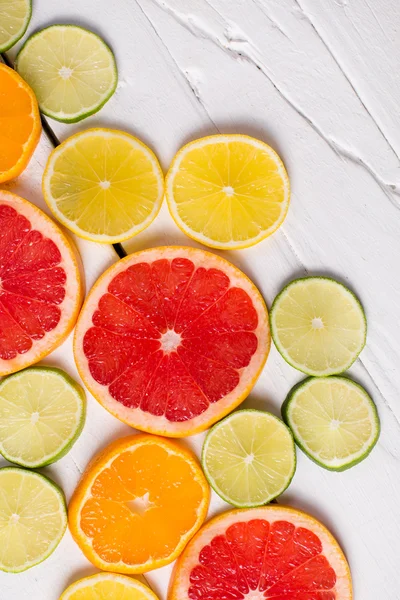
33 518
71 70
42 412
104 185
318 325
249 458
333 420
14 20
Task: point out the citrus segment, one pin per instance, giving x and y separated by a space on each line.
171 339
71 70
333 420
108 586
40 288
14 20
104 185
33 518
318 325
20 125
42 412
249 458
270 552
227 191
124 512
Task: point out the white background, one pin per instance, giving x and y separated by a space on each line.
319 81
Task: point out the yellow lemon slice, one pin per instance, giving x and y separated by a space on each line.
108 586
227 191
104 185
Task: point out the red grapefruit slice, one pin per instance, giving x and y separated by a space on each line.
171 339
271 552
40 286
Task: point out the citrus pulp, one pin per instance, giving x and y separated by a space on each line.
138 504
40 284
171 339
272 552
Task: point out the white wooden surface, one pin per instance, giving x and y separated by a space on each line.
318 80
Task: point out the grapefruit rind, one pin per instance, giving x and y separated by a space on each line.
210 478
146 421
283 352
67 444
83 492
199 237
143 590
33 140
73 288
352 460
180 581
63 511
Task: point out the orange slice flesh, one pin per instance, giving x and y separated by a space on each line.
138 504
20 125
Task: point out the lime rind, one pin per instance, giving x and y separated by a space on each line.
63 511
283 352
12 41
66 446
268 498
354 460
79 116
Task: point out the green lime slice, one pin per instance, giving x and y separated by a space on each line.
318 325
14 20
42 412
33 518
71 70
333 420
249 458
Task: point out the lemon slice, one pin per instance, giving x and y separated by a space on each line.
33 518
333 420
42 412
227 191
104 185
107 586
249 458
71 70
14 20
318 325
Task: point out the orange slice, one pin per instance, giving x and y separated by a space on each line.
273 552
138 504
20 125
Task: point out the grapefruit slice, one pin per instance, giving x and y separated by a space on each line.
270 552
171 339
40 285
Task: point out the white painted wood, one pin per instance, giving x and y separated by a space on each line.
319 82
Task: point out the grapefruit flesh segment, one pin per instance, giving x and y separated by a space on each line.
272 553
40 290
124 512
171 339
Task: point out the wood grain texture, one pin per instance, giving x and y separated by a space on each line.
319 82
